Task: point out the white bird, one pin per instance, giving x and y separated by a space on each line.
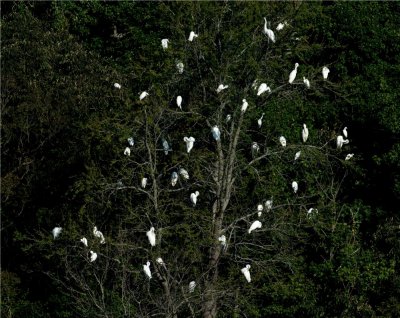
151 235
268 205
160 261
349 156
282 140
143 95
263 88
244 105
255 148
228 118
99 235
192 286
192 36
256 225
222 239
221 87
180 67
293 73
127 151
193 197
143 183
216 133
116 34
146 269
297 155
131 142
93 256
295 186
268 32
246 272
304 133
306 82
259 121
164 43
340 142
174 178
56 231
117 85
311 211
184 173
255 84
325 72
345 132
84 241
260 208
281 26
166 146
179 102
189 143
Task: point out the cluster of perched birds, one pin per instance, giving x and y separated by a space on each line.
261 89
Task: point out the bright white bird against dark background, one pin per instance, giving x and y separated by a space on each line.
255 148
246 272
216 133
131 142
260 208
228 118
340 142
179 102
174 178
160 261
263 88
117 85
164 43
325 72
297 155
244 105
93 256
166 146
255 225
151 235
56 231
254 85
292 75
311 212
222 239
268 205
193 197
221 87
282 140
184 173
180 67
146 269
268 32
143 183
349 156
127 151
189 143
306 82
192 36
192 286
295 186
344 132
99 235
143 95
84 241
259 121
281 26
304 133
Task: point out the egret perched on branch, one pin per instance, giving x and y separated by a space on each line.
184 173
127 151
325 72
263 88
189 143
268 205
228 118
160 261
193 197
222 239
256 225
117 85
259 121
174 178
345 132
146 269
143 95
260 208
192 286
246 272
304 133
131 142
306 82
179 102
282 140
221 87
216 133
281 26
56 232
99 235
293 73
244 105
143 183
255 148
295 186
297 155
340 142
151 235
192 36
164 43
268 32
93 256
180 67
166 146
349 156
84 241
311 211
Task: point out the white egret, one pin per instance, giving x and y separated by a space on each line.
180 67
282 140
193 197
255 148
84 241
117 85
246 272
263 88
255 84
189 143
295 186
56 231
116 34
268 205
345 132
192 286
325 72
281 26
216 133
143 183
340 142
297 155
160 261
143 95
306 82
127 151
260 208
259 121
131 142
256 225
311 211
304 133
179 102
151 235
349 156
146 269
293 73
99 235
244 105
93 256
164 43
228 118
268 32
222 239
221 87
184 173
166 146
192 36
174 178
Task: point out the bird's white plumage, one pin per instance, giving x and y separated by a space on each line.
165 146
180 67
131 142
221 87
189 143
340 142
192 36
297 155
117 85
325 72
282 140
84 241
228 118
295 186
193 197
56 231
179 102
93 256
160 261
184 173
143 95
244 105
259 121
174 178
146 269
99 235
292 75
143 183
268 205
192 286
263 88
281 25
127 151
349 156
246 272
268 32
255 225
306 82
304 133
151 235
311 212
260 208
216 133
345 132
222 239
255 148
164 43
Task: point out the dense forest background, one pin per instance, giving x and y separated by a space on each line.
65 127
